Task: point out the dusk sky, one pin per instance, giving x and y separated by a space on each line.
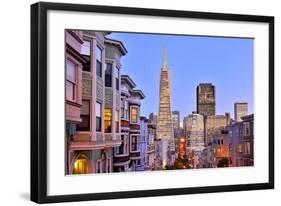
227 63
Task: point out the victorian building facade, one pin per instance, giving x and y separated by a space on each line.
97 85
241 142
127 156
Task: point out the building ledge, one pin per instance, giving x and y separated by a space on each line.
93 145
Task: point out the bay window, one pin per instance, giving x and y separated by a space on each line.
108 75
117 121
134 114
85 116
86 52
124 108
123 148
116 78
107 120
134 143
98 61
98 117
70 80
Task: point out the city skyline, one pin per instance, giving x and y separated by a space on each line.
192 60
106 127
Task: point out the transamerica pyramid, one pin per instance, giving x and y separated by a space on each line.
164 130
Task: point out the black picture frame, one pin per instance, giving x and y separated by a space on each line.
39 101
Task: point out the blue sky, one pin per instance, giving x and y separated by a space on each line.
227 63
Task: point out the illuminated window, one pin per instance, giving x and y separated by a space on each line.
98 61
107 120
240 148
85 116
70 80
117 121
81 165
98 117
247 148
134 114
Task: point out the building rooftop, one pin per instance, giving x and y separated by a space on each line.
248 117
139 92
117 43
205 84
128 80
241 103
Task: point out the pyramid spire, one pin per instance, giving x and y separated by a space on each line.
165 64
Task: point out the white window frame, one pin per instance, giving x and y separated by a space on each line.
101 115
246 125
75 80
138 142
102 48
138 114
125 108
125 146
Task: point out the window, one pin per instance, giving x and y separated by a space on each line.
116 78
247 147
86 48
134 143
107 120
123 148
240 148
120 150
134 115
85 116
108 75
98 117
99 61
126 145
70 80
117 121
86 52
246 129
124 108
